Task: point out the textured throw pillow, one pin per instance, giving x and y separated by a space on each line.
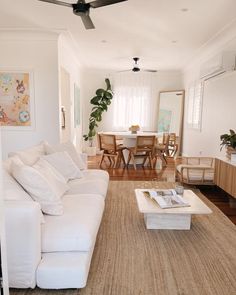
42 184
63 163
70 149
31 155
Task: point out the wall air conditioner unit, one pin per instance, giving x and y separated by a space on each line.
221 63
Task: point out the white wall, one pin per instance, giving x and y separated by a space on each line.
92 79
2 233
68 61
36 51
218 116
219 100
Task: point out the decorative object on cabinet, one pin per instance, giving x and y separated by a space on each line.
229 141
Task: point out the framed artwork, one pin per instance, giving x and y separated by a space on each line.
76 106
164 120
16 99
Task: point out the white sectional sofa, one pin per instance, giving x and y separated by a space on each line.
49 251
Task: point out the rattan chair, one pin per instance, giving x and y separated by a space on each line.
195 170
143 149
111 150
161 150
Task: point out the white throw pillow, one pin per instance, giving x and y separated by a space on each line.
31 155
70 149
63 163
42 184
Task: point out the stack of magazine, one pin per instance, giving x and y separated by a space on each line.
166 198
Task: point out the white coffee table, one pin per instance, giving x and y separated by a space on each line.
174 218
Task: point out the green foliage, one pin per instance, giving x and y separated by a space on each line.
101 102
228 140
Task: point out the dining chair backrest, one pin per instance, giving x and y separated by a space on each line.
165 138
145 143
172 139
107 142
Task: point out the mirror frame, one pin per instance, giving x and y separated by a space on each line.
179 152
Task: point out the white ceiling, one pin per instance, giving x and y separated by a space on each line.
157 31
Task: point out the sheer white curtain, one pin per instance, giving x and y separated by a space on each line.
134 100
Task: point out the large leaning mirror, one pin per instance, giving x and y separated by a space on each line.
170 113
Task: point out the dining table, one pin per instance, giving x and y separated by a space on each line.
129 138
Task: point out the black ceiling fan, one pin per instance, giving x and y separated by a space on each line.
136 67
82 8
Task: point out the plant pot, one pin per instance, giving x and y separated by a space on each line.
230 151
91 150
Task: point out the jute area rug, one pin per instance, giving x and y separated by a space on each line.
130 260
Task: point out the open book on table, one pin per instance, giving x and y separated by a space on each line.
166 198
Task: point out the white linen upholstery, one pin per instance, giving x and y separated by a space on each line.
31 155
12 190
43 186
87 186
94 174
70 149
77 228
63 163
23 239
72 236
95 181
63 270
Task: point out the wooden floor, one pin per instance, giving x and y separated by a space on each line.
213 193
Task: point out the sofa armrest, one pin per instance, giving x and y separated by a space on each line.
23 240
84 157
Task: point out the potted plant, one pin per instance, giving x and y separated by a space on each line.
229 141
100 104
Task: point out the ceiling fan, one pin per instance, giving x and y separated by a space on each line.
136 67
81 8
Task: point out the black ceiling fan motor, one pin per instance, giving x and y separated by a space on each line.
136 67
81 8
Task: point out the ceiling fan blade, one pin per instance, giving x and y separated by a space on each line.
87 22
58 2
150 71
100 3
123 71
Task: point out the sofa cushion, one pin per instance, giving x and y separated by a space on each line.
96 174
87 186
70 149
31 155
42 184
63 163
77 228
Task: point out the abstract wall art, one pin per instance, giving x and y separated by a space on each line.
16 99
164 120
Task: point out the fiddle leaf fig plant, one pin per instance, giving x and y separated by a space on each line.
101 102
228 140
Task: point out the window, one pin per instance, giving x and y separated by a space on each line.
133 101
195 94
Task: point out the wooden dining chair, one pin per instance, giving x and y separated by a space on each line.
161 150
110 149
143 149
172 145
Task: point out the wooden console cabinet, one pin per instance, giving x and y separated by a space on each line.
225 176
